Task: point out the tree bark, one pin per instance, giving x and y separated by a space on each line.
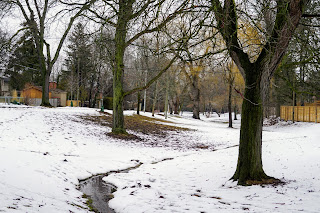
249 166
230 102
138 103
196 102
176 105
145 93
171 106
195 95
45 89
155 99
125 10
166 101
118 117
92 93
235 109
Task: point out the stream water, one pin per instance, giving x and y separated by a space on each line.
99 191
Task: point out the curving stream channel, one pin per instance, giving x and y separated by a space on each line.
99 191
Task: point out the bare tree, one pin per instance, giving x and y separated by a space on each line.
147 15
229 78
36 15
257 72
195 43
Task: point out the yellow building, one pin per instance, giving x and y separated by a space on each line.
32 95
33 92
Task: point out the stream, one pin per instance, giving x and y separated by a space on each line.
100 193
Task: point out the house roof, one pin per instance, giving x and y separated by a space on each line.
33 87
40 89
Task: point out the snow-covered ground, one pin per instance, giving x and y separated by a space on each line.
44 152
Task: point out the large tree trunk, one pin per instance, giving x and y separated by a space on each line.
196 106
235 110
155 99
125 10
171 106
138 103
288 14
230 104
45 89
194 93
195 96
118 117
46 71
176 105
91 94
166 101
145 93
249 168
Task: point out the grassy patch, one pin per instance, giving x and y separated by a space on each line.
89 203
149 125
137 123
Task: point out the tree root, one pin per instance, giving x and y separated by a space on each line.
268 181
259 179
46 105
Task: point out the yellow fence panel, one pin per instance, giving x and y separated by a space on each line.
301 113
75 103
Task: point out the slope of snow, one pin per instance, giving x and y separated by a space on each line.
44 152
199 182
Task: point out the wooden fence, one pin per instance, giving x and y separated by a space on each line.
301 113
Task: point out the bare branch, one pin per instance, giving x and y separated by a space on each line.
180 10
152 80
71 21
